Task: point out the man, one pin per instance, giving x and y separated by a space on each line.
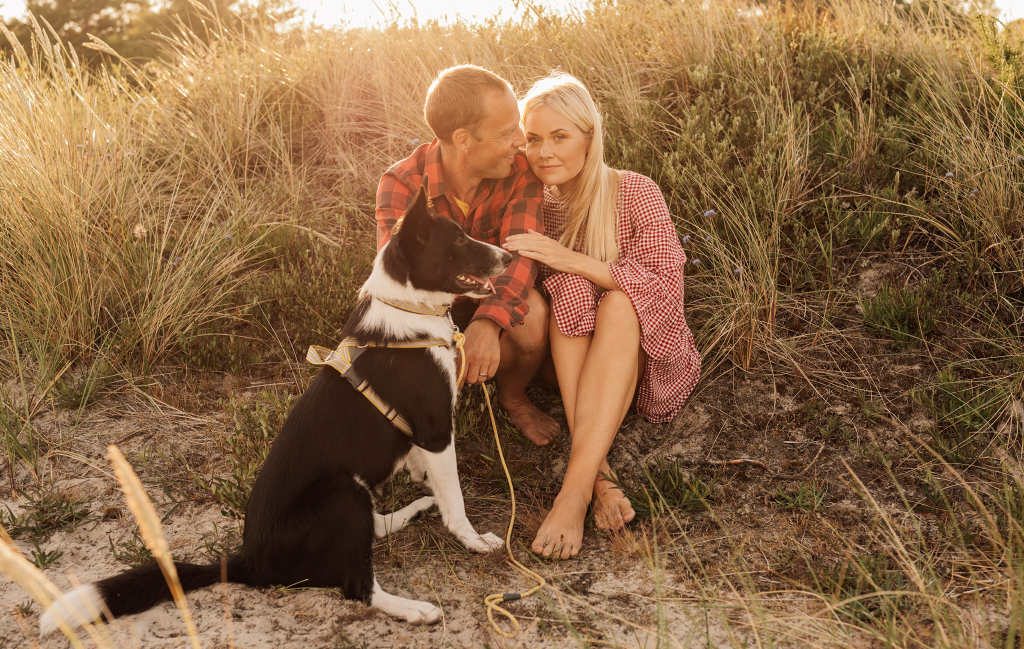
479 178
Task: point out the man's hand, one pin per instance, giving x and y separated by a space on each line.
482 350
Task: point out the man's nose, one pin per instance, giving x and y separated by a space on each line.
520 140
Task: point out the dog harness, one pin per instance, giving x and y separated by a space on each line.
343 357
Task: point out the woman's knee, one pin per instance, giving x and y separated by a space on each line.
616 310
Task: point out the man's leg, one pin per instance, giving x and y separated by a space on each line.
522 352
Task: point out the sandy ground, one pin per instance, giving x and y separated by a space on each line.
612 592
421 562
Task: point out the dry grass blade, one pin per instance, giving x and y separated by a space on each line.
18 568
149 525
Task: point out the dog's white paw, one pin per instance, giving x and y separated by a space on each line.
422 613
411 610
482 543
424 503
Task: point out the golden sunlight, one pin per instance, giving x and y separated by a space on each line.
330 13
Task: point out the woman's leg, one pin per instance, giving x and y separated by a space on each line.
597 376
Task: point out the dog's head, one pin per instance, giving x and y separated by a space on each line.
436 254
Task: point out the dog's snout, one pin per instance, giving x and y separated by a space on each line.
506 257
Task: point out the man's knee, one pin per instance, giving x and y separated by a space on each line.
617 310
532 334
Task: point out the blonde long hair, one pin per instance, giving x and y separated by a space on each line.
592 199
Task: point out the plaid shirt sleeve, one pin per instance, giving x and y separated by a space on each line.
508 306
393 197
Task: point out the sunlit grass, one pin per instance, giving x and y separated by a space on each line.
215 209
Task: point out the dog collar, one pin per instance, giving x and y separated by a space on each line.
413 307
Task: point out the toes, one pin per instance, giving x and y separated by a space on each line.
483 543
549 549
432 616
492 541
425 614
628 514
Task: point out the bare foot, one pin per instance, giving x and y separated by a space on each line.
538 427
612 509
561 534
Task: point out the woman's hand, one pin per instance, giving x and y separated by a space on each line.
547 251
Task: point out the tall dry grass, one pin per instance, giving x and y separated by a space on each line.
138 204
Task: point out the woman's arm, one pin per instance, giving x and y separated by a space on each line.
560 259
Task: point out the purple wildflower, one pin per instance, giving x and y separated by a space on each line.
709 214
949 174
695 262
414 141
686 239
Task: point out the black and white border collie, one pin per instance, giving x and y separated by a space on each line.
310 518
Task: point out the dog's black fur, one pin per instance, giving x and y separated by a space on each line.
310 519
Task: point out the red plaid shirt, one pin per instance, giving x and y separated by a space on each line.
500 208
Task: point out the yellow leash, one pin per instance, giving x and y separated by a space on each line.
492 601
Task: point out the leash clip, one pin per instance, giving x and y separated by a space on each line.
451 321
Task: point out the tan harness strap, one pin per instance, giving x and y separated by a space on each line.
348 350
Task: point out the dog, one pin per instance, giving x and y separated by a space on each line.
310 518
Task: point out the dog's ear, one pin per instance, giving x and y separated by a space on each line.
415 222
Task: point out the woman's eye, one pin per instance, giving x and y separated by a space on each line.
559 138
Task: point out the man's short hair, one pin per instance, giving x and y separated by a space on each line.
456 99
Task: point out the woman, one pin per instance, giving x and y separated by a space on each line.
614 277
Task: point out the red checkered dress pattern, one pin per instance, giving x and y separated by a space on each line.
500 208
650 271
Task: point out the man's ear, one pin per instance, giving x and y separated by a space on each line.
462 139
414 224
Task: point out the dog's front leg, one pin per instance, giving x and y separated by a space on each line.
443 480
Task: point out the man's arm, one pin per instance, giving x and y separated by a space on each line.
507 307
392 199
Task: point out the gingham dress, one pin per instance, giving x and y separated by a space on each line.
650 271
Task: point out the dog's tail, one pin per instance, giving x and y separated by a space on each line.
133 591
